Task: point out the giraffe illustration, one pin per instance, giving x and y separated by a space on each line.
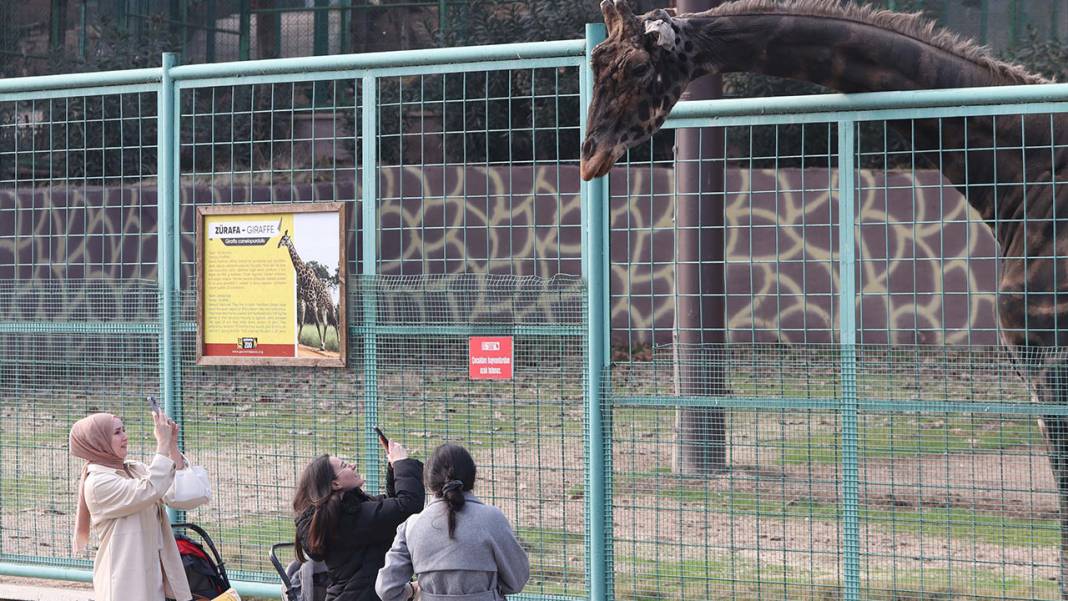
313 298
1005 166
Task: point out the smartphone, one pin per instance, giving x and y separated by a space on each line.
382 437
153 403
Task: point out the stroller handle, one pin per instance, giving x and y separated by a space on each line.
211 546
278 564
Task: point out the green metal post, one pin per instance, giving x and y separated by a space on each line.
594 269
984 21
166 203
321 47
59 23
321 29
83 51
209 33
369 263
345 35
848 339
442 18
246 30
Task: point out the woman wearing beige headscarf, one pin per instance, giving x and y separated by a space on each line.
123 501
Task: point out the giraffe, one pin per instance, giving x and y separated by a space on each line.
312 296
1005 167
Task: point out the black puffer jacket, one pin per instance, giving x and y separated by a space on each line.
357 548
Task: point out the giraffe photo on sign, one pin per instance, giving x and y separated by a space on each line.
271 285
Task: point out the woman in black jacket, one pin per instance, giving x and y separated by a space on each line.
341 525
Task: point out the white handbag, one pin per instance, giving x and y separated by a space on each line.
191 488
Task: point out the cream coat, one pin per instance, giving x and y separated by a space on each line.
137 549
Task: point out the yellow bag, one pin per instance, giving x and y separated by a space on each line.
230 595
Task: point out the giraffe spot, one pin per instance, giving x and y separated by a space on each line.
660 120
636 132
643 111
665 104
675 28
688 46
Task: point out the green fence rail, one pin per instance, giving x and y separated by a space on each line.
853 470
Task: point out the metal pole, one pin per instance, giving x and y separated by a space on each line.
369 263
246 30
59 24
345 34
82 34
700 313
848 339
209 50
594 268
166 203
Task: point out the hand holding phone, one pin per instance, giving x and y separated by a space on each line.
153 404
382 438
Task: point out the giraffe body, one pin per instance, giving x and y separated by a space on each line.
313 298
1005 166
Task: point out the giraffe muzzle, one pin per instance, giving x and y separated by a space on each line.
596 165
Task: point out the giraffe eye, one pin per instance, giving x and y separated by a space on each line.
638 70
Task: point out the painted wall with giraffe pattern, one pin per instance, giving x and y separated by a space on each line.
927 265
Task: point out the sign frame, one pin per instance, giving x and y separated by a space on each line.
273 209
479 359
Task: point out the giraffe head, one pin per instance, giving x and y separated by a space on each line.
284 240
640 72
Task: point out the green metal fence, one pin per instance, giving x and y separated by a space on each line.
841 456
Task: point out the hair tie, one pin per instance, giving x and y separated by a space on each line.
451 485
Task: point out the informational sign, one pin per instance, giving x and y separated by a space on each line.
490 357
271 285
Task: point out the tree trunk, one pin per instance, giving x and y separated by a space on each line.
700 433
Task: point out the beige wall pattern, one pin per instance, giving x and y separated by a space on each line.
927 265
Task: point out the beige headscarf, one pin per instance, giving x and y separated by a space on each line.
90 439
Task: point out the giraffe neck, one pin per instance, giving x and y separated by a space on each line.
293 256
850 56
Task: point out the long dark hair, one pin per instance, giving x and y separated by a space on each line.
314 490
451 472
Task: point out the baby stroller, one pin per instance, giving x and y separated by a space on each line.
206 574
301 581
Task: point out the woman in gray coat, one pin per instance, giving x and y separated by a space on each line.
460 548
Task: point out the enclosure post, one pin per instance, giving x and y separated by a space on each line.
166 240
368 289
594 269
848 340
245 20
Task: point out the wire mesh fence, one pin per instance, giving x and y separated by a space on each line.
751 451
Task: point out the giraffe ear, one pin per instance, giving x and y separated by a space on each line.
620 19
660 33
611 16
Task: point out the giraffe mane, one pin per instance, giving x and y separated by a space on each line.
913 25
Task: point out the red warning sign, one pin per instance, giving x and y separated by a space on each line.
490 357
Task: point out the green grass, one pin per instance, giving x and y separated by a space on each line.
310 337
896 437
28 492
739 579
956 523
551 552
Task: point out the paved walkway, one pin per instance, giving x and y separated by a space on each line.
24 592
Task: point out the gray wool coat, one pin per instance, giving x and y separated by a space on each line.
483 562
